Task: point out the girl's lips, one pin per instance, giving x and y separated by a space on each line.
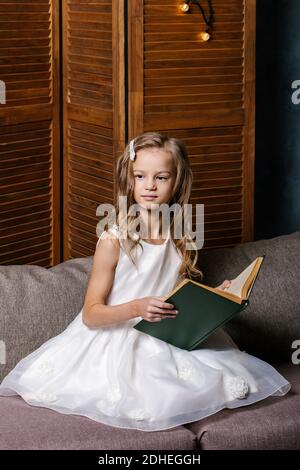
149 197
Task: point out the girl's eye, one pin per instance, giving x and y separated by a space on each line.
159 177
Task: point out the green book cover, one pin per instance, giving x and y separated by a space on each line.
202 309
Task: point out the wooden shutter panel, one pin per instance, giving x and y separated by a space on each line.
93 115
204 94
29 133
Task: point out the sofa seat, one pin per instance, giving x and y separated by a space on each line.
271 424
30 427
39 303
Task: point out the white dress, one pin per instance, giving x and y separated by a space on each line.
121 377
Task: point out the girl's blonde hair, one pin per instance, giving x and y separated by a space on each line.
180 195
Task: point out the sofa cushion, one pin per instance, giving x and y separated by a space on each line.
269 325
37 304
29 427
270 424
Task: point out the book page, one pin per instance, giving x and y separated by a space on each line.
238 283
239 289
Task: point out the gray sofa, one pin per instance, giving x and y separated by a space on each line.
37 304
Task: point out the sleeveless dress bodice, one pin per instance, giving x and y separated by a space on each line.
155 274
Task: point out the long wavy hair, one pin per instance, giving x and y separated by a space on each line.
180 195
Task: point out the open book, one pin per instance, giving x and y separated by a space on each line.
240 287
202 309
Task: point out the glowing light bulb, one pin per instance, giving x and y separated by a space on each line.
204 36
184 7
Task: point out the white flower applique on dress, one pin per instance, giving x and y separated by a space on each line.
237 387
45 368
113 396
186 371
138 414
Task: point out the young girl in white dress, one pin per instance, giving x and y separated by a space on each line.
103 368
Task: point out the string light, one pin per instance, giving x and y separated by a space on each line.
203 35
184 7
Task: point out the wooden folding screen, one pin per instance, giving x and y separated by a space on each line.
202 92
29 132
93 114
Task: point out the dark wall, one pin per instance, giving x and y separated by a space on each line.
277 157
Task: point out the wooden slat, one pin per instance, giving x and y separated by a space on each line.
95 21
40 217
25 225
29 133
94 115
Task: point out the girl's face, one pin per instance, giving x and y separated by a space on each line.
154 175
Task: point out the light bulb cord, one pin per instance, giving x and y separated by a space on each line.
208 21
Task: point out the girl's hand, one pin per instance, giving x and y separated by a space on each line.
154 309
224 284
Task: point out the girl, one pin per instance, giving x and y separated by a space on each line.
103 368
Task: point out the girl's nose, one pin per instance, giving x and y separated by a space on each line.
150 185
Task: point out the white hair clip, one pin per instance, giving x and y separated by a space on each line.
131 150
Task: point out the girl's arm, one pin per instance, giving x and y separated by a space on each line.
95 312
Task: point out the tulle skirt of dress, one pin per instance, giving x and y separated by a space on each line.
121 377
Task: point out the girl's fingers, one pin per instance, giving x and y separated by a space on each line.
224 284
155 309
162 311
163 317
161 304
